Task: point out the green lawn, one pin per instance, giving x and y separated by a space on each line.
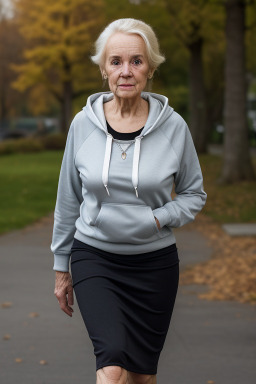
29 187
227 203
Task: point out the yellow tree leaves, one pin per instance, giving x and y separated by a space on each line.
58 33
59 37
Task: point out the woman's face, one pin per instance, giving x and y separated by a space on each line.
126 65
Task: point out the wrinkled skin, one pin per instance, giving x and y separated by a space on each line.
64 291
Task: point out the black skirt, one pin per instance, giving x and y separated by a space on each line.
126 302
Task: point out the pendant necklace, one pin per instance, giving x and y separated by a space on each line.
123 155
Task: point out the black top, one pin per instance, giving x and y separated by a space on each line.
123 135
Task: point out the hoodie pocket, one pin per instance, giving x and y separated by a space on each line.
125 223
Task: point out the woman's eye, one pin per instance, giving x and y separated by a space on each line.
115 62
137 61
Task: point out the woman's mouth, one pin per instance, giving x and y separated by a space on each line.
126 86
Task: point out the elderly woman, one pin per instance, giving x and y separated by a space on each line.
114 212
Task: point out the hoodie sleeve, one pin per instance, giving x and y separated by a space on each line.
67 208
190 195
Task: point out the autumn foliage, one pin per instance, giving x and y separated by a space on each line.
59 38
230 274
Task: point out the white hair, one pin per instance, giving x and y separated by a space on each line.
129 26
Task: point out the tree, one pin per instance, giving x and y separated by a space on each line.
10 51
237 164
251 39
59 37
188 20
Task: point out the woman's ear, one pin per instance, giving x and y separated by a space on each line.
103 74
151 73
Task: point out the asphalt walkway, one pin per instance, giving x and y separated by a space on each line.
207 342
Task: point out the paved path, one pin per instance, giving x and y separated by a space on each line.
240 229
207 341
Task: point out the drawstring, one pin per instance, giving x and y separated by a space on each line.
135 166
106 162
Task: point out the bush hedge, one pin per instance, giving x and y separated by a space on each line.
53 141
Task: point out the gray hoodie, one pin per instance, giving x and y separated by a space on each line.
110 203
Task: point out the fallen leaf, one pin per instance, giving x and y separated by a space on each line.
18 360
6 304
33 314
230 273
7 337
43 362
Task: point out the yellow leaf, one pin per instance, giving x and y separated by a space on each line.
7 337
43 362
18 360
6 304
33 314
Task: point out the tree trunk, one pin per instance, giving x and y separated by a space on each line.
197 97
66 106
3 94
237 163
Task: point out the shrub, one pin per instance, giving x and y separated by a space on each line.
20 146
53 141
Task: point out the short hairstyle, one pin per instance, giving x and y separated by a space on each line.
129 26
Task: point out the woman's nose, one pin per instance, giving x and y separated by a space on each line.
126 70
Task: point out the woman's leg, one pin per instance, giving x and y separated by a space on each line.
138 378
112 374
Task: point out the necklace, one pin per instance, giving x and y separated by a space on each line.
123 155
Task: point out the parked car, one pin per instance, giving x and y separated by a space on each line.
13 134
22 127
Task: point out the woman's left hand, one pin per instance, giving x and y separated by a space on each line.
64 291
157 223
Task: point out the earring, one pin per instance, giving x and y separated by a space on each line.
149 76
105 76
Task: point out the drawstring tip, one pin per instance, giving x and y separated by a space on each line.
107 190
136 191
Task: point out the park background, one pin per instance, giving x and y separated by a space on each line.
209 77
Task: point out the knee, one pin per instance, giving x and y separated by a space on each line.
114 373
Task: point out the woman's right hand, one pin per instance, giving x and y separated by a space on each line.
64 291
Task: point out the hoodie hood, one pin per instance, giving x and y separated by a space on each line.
159 111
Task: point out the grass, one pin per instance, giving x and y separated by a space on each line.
29 188
234 203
